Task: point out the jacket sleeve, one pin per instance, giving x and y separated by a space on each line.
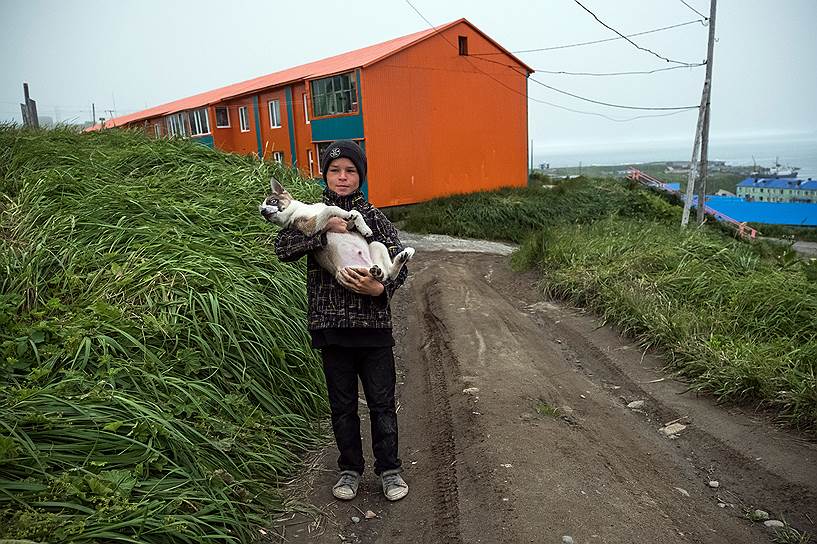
291 244
383 231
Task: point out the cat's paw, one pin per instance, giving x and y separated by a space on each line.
405 255
377 273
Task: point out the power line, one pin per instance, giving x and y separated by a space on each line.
678 110
567 46
590 99
620 73
626 38
613 105
598 73
596 114
695 10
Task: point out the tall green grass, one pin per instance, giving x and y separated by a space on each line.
157 378
736 324
512 214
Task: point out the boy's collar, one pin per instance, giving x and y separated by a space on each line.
347 202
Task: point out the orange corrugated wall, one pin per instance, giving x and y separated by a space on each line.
435 125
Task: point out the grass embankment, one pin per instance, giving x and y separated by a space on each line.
512 214
157 379
733 320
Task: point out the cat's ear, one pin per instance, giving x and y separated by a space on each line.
276 187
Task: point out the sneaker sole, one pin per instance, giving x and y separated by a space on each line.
397 498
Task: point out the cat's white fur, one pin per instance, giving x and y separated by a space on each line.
342 250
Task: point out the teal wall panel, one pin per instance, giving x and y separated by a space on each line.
291 124
206 140
257 115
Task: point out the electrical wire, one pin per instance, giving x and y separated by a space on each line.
567 46
602 23
589 99
610 104
619 73
677 110
695 10
597 73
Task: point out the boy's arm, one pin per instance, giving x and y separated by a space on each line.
291 244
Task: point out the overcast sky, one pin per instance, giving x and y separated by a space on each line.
127 55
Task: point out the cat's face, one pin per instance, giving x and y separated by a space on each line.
275 202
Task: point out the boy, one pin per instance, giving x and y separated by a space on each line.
350 322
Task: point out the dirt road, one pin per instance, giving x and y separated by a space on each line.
515 427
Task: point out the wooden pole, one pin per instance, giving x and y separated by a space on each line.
707 113
702 171
701 116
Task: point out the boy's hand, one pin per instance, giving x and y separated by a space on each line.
358 280
335 224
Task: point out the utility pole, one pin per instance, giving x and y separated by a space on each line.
93 113
29 110
702 172
705 140
703 113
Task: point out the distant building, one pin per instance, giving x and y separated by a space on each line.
778 190
769 213
434 116
724 192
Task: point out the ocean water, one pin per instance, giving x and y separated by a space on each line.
799 151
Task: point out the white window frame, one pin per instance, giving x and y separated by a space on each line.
306 109
227 109
157 128
243 118
311 163
274 113
175 125
199 122
278 156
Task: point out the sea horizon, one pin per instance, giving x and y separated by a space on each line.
790 150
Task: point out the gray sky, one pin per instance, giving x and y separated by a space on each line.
128 55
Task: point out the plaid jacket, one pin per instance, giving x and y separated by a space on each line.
330 304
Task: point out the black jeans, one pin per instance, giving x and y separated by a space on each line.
375 366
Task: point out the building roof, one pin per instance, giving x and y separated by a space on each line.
771 213
332 65
780 183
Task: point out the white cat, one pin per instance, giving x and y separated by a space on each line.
348 249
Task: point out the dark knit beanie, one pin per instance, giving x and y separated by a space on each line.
348 149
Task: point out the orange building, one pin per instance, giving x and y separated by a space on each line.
439 112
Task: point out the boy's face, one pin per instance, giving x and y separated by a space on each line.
342 177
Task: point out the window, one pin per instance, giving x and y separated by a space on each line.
198 122
222 117
336 94
463 43
311 163
278 157
243 121
306 110
274 114
175 125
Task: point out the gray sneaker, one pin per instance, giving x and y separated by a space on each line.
346 488
394 487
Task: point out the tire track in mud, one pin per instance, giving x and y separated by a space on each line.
435 352
466 486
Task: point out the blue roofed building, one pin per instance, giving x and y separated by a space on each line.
778 190
770 213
